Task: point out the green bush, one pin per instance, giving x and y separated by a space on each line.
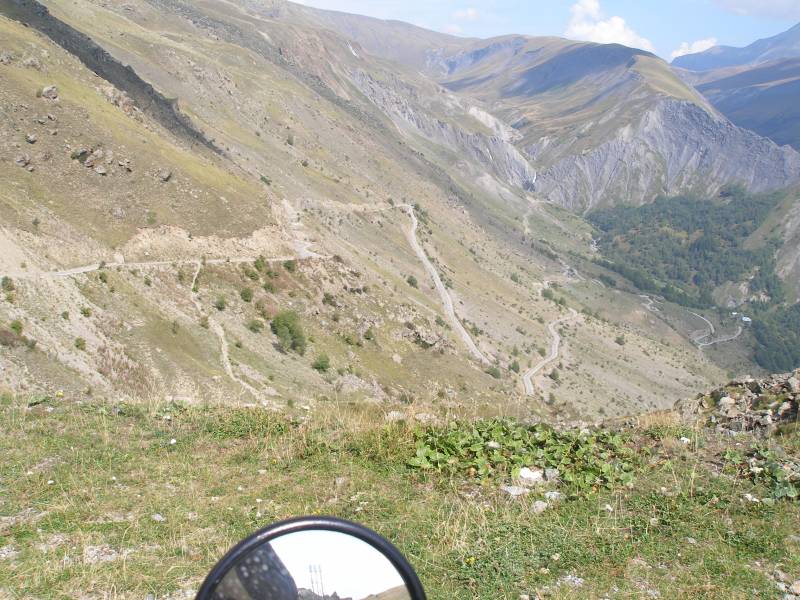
322 363
246 294
80 344
620 339
286 326
412 281
255 325
16 327
494 372
8 284
290 265
220 303
86 311
515 366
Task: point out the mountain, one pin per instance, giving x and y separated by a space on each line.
595 122
263 203
762 98
783 45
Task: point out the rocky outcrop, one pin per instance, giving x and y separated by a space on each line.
676 147
492 153
754 405
123 77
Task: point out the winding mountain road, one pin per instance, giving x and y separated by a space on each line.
447 300
555 344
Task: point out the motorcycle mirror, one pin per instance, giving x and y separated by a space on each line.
313 558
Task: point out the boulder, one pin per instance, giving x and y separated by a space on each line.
50 92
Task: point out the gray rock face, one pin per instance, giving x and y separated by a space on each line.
676 147
493 153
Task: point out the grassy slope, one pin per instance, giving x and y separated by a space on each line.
69 497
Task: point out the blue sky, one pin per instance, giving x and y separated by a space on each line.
667 27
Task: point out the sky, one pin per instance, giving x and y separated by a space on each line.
667 27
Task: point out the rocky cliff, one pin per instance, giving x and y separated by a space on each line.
675 147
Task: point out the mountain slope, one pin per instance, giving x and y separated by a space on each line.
162 281
783 45
597 123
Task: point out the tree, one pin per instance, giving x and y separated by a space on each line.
412 281
287 328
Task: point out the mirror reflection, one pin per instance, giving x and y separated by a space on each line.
313 565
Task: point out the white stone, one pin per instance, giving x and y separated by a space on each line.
530 477
539 506
515 490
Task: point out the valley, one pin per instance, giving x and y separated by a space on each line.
259 259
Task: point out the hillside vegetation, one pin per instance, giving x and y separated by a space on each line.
107 498
686 248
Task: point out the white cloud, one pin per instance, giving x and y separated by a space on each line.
781 9
466 14
452 29
589 23
693 48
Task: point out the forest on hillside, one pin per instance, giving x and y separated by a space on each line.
684 247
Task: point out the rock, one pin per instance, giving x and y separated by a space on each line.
515 490
394 416
397 358
23 160
93 158
118 212
79 154
340 481
795 588
493 445
158 518
552 475
164 175
31 138
531 477
794 384
554 496
32 62
101 170
539 507
8 552
50 92
6 58
98 554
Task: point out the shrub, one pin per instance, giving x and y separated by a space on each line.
555 375
290 139
516 278
86 311
412 281
246 295
620 339
322 363
220 303
16 327
175 328
269 287
8 284
65 315
103 277
514 366
80 344
329 299
204 321
260 264
290 265
251 274
369 334
494 372
286 326
255 325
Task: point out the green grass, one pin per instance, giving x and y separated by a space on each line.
231 471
